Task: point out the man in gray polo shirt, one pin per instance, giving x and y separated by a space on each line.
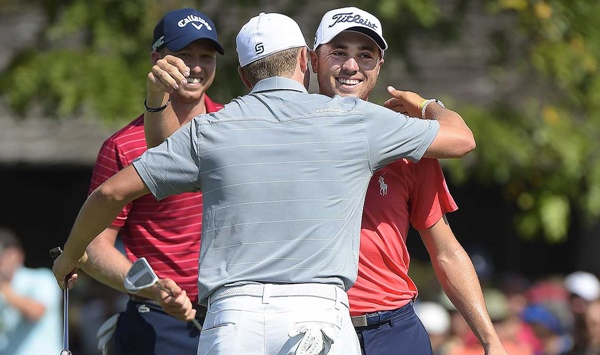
283 175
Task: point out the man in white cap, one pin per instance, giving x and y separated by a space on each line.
347 57
583 288
584 285
283 175
436 320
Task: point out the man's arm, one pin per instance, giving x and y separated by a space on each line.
99 210
158 126
458 278
30 308
105 263
165 76
454 139
108 265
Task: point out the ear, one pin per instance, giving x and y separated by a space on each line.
154 56
244 79
304 60
314 61
306 81
379 66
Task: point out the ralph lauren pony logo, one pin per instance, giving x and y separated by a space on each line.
383 187
351 17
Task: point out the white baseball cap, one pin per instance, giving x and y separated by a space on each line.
352 19
584 284
434 316
266 34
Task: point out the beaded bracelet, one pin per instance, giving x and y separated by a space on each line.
423 105
157 109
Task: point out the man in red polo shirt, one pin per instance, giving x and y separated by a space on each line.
347 57
166 233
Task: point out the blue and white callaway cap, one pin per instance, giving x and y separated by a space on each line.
351 19
179 28
266 34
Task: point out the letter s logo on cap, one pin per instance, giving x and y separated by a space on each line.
259 48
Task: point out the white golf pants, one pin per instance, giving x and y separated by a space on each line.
269 319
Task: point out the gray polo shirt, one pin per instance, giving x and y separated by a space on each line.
283 175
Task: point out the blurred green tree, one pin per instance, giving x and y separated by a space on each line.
92 57
543 149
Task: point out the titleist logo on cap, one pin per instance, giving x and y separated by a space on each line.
350 17
192 19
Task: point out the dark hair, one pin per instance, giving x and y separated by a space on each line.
282 63
8 239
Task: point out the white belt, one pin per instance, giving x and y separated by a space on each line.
330 292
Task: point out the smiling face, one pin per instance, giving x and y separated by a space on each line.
348 65
200 57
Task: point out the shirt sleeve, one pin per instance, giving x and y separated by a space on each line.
173 167
430 198
392 135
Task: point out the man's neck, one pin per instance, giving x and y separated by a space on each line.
186 111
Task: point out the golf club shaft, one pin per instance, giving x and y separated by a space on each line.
66 321
55 253
196 323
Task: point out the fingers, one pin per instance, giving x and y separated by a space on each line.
169 286
395 105
71 281
65 270
167 74
172 61
67 281
179 306
405 102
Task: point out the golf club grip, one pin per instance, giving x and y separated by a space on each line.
55 252
198 325
164 289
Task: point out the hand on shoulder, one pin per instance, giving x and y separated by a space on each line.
405 102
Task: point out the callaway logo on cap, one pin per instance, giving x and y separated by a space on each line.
179 28
352 19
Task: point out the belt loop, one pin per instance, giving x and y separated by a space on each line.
266 293
392 321
338 298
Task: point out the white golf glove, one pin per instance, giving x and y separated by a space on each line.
315 340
